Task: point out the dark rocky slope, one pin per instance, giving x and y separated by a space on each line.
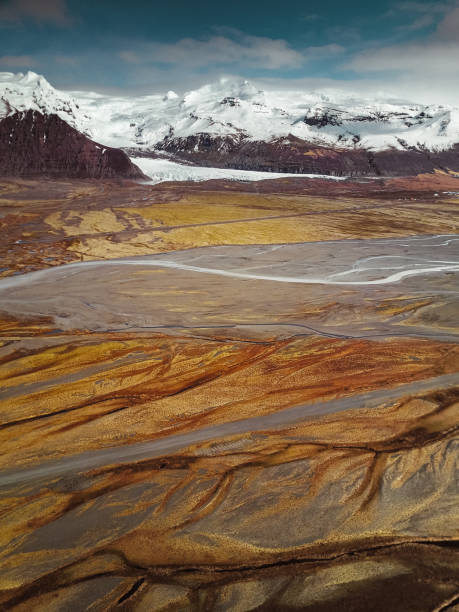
33 144
298 156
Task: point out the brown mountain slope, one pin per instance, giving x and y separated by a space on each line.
34 144
299 156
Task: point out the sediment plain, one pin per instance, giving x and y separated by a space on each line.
229 396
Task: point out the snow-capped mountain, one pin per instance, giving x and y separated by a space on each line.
44 132
233 123
240 110
31 91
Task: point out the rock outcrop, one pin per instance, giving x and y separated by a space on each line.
294 155
34 144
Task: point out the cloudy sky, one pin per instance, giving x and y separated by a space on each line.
408 48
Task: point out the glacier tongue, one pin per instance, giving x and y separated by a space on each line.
161 170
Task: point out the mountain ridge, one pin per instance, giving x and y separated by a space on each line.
233 124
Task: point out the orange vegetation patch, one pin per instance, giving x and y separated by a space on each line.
101 391
426 182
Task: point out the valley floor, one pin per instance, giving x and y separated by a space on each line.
229 396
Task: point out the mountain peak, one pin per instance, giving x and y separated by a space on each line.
225 87
31 77
27 79
31 91
171 95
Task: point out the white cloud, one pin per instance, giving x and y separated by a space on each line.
17 61
402 87
323 51
41 11
429 66
448 29
130 57
424 21
309 17
253 51
412 6
229 48
420 58
66 60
